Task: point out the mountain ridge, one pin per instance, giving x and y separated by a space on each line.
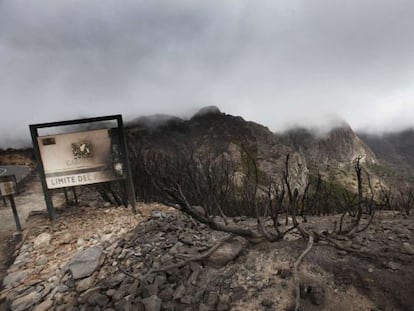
388 158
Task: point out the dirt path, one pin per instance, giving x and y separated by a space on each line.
30 199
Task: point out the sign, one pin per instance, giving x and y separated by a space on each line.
81 158
8 185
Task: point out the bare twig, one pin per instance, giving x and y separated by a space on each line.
295 271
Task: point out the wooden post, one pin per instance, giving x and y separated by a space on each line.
15 215
65 191
128 180
75 196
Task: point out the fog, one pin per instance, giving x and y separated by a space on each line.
277 63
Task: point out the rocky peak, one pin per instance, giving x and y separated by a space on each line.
333 153
208 110
339 145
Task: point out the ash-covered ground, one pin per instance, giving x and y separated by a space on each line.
98 257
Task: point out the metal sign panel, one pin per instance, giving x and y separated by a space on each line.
8 185
81 158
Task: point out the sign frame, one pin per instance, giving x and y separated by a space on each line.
34 131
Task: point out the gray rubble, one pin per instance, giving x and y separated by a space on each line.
112 273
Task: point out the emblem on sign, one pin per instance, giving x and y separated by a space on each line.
82 150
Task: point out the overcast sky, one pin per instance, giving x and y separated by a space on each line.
274 62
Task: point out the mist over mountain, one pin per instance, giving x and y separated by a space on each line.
320 125
329 150
396 148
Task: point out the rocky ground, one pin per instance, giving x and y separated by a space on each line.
100 257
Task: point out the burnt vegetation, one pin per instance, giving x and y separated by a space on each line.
213 188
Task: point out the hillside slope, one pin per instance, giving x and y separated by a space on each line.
218 133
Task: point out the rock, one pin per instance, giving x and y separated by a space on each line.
204 307
114 280
317 295
149 290
285 273
110 292
80 242
42 240
63 288
107 237
85 284
152 303
166 294
42 260
85 262
176 248
119 294
187 238
158 215
226 253
198 294
123 305
159 280
212 299
168 306
98 299
238 293
355 246
187 299
86 294
133 288
166 258
44 306
46 290
199 209
267 303
25 302
66 238
223 307
225 299
179 292
314 292
408 248
59 299
194 276
393 266
14 278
